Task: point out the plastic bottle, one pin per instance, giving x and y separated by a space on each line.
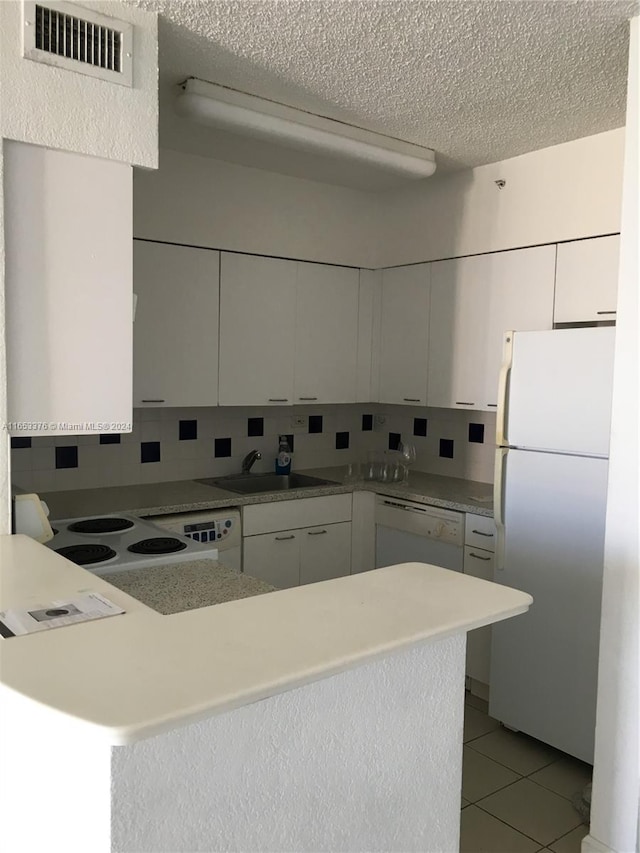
283 459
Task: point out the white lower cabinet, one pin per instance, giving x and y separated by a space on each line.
325 552
285 545
273 557
479 562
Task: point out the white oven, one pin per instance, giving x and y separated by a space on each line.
410 532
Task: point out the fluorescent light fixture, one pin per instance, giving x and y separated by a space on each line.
238 112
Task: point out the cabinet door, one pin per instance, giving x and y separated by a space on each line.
325 552
326 342
175 336
273 557
404 334
257 325
474 301
68 274
458 338
479 564
520 298
587 280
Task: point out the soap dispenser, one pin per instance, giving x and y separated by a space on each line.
283 459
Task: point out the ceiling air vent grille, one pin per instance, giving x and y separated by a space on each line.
77 39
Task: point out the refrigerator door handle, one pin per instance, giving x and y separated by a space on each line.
498 505
503 389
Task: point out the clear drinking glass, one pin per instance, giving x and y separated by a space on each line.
408 457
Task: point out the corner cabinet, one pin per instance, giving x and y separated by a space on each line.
175 337
288 332
68 285
473 302
404 335
587 280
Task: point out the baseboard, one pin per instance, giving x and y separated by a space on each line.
591 845
477 688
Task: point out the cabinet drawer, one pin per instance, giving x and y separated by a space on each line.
479 563
289 515
480 531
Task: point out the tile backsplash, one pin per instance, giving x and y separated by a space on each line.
183 444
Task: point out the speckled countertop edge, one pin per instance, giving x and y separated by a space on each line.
190 496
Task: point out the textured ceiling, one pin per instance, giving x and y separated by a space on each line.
476 81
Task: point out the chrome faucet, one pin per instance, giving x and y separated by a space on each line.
251 457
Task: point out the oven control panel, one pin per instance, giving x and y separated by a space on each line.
218 527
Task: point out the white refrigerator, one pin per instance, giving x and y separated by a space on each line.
550 502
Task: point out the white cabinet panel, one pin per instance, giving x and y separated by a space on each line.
404 334
68 272
480 531
257 328
473 302
479 564
273 557
175 342
300 512
326 340
587 280
325 552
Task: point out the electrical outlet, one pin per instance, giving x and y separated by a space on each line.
298 422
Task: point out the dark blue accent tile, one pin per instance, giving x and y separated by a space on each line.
66 457
255 426
394 440
342 441
187 430
367 423
290 440
110 438
221 447
419 426
476 433
20 443
315 423
149 451
446 448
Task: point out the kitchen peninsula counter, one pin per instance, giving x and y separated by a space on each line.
205 661
240 726
190 495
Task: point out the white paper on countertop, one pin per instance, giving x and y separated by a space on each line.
56 614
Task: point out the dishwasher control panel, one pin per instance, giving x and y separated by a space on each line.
446 526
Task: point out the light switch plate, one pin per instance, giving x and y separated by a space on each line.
298 422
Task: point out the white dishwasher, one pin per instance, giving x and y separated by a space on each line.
409 532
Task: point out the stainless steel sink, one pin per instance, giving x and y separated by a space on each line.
251 484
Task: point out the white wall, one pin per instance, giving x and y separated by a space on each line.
205 202
559 193
616 785
367 760
61 109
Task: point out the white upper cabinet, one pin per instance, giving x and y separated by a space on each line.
404 335
175 338
68 277
326 340
587 280
473 302
257 330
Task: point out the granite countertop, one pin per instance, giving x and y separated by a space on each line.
177 587
190 496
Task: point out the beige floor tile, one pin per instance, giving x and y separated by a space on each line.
481 776
516 751
476 702
571 842
566 777
481 833
477 723
533 810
